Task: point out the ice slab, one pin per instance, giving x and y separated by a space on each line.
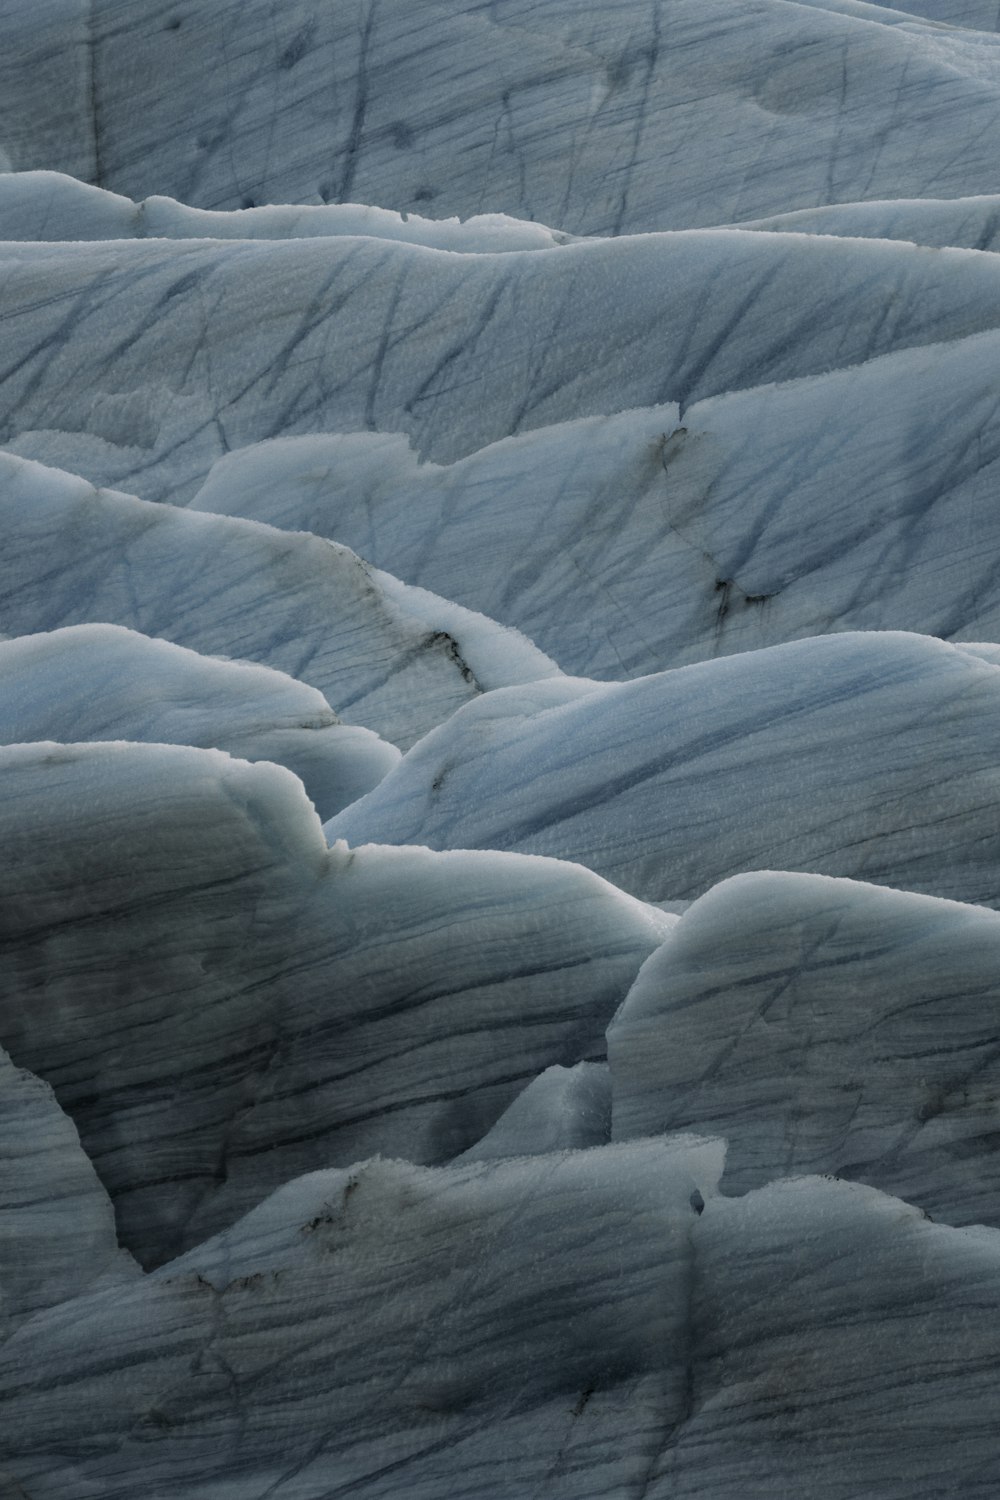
389 658
139 363
863 755
624 544
221 1002
491 1330
824 1026
844 1345
565 1325
103 682
600 118
57 1225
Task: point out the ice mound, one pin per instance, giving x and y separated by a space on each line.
824 1026
393 659
221 1002
871 756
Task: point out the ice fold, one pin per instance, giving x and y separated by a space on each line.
103 682
824 1026
382 658
485 1329
863 755
221 1002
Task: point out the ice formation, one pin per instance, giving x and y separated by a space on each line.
499 706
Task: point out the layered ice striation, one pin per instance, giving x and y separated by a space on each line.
824 1026
220 1002
499 696
863 755
103 682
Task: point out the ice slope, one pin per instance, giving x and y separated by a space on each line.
564 1326
824 1026
977 15
656 451
842 1351
220 1002
57 1225
139 363
102 682
864 755
563 1109
601 118
623 544
393 659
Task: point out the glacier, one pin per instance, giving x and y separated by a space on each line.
499 705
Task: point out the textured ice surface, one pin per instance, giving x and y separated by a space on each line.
139 363
562 1109
824 1026
599 118
505 1328
381 655
57 1225
627 543
561 1325
102 682
220 1002
342 344
865 755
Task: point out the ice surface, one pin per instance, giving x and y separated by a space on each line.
624 544
596 402
102 682
57 1226
843 1350
52 206
139 363
227 587
598 118
220 1002
562 1109
494 1330
824 1026
970 222
865 755
562 1325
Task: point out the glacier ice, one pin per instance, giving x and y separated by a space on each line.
869 755
627 543
383 656
220 1002
498 723
824 1026
103 682
139 363
58 1236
